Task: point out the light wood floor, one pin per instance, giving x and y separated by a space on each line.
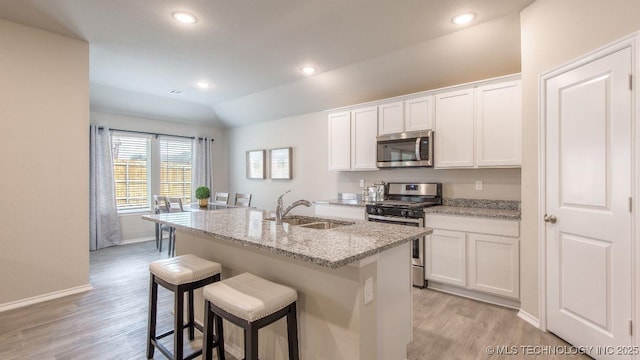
110 322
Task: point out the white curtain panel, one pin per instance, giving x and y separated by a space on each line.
202 164
104 222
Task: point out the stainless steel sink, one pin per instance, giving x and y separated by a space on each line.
312 222
323 225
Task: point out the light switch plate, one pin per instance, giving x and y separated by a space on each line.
478 184
368 290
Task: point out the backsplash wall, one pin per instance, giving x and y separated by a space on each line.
497 184
307 135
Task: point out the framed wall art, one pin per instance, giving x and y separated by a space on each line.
281 163
256 160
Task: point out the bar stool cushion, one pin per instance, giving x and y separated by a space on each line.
249 297
184 269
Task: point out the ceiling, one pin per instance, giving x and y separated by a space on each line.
251 52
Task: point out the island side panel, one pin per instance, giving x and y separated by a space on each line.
394 303
334 323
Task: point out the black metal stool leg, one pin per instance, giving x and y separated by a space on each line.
292 332
191 317
251 342
153 309
219 336
178 324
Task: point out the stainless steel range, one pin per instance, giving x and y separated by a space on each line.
405 206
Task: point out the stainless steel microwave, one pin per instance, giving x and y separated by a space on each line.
409 149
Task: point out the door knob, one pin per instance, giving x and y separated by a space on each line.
550 218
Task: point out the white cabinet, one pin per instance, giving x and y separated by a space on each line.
391 118
479 127
403 116
352 139
364 123
454 129
340 141
497 124
446 257
419 113
478 254
494 264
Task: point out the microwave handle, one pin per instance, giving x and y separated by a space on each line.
418 141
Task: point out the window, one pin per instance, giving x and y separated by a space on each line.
131 171
175 168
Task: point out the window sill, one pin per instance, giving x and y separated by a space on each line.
134 212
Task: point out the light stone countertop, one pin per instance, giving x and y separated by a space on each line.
332 248
342 202
499 209
474 211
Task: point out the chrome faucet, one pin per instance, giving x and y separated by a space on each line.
279 206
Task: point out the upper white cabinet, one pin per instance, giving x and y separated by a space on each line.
454 129
402 116
352 139
497 122
476 125
364 128
419 113
391 118
479 127
340 141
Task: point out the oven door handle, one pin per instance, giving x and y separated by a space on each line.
395 219
418 141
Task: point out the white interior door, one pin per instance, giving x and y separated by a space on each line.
588 184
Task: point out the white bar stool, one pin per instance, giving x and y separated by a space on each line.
179 274
251 303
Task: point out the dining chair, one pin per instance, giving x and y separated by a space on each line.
243 200
221 198
159 207
173 204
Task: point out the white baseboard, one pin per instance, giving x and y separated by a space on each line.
44 297
475 295
137 240
534 321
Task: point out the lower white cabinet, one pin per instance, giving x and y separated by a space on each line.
474 253
494 264
446 257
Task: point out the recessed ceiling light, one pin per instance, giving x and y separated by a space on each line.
184 17
203 84
308 69
463 19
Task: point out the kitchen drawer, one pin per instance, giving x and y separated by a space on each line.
480 225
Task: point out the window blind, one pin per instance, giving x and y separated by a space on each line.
131 171
176 168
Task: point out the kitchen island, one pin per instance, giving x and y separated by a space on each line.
330 269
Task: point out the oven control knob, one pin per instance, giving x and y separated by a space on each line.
403 213
411 213
379 211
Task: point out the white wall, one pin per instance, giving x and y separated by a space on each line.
131 224
307 134
44 142
553 33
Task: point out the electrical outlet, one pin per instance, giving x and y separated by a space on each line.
368 290
478 185
362 183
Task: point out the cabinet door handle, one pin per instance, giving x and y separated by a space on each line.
550 218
